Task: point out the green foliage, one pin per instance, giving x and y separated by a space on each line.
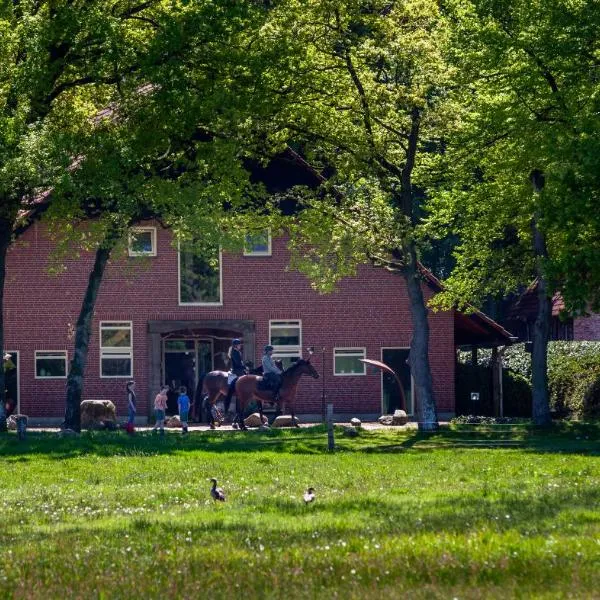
517 394
360 91
395 515
573 385
528 89
573 372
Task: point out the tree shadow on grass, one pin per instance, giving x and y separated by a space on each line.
578 439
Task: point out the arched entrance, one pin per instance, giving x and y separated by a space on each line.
182 352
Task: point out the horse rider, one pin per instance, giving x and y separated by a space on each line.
237 368
271 372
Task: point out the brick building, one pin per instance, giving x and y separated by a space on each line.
166 316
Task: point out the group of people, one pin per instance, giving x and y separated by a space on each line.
160 407
271 373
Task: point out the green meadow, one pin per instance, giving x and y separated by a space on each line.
469 512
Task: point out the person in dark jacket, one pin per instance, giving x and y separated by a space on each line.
237 368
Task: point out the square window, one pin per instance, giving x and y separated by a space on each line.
258 244
142 241
50 364
116 349
346 361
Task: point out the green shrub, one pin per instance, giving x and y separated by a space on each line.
517 394
573 379
591 400
573 385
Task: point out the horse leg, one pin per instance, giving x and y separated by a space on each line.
228 395
212 410
240 405
260 412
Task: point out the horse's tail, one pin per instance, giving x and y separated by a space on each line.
201 387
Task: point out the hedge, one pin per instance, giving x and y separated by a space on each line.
573 380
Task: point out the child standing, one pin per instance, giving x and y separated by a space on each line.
183 403
130 407
160 406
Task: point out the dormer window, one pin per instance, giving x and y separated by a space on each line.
142 241
258 244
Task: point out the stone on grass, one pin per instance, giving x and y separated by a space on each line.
253 420
11 422
285 421
355 422
386 419
399 418
68 433
173 421
350 431
94 413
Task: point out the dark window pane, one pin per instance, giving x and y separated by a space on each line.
141 242
257 243
179 345
116 367
200 280
288 336
50 367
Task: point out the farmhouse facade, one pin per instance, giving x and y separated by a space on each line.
166 316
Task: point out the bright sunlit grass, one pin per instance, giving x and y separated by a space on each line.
467 513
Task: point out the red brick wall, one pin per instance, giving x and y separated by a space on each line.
587 328
370 310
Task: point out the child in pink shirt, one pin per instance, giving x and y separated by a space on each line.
160 405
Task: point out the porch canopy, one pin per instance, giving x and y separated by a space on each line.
476 329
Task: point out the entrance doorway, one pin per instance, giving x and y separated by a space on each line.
11 382
396 359
185 362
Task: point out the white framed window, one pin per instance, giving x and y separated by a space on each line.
200 278
258 244
116 349
50 364
286 339
346 361
142 241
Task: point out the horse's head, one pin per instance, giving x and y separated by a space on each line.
305 367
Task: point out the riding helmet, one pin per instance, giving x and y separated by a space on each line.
236 341
268 348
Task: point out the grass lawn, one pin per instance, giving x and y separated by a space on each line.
465 513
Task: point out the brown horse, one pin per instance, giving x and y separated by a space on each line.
214 385
246 388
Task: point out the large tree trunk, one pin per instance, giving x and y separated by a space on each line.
539 357
82 338
5 234
419 347
541 335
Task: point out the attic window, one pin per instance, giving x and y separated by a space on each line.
142 241
258 244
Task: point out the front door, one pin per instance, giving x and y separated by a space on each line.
185 362
396 359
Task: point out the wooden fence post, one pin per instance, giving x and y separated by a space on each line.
330 439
